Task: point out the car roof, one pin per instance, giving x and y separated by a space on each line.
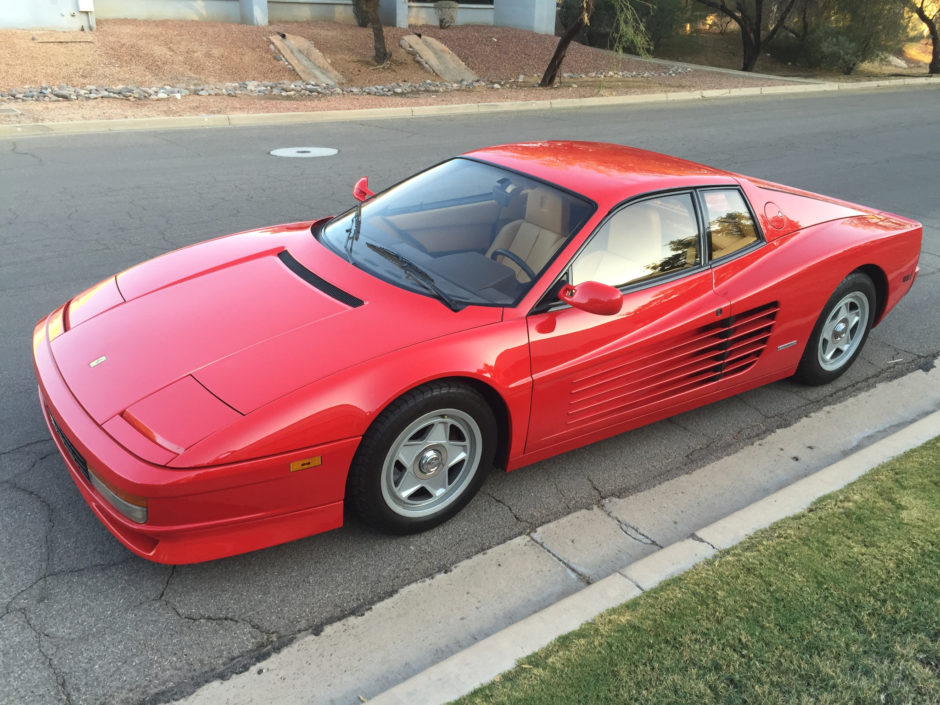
605 173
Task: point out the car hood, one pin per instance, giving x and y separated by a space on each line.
250 319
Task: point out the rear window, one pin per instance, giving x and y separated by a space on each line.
730 225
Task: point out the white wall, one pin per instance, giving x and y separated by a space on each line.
42 14
536 15
533 15
211 10
423 13
311 11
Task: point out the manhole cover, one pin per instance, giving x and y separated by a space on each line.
304 152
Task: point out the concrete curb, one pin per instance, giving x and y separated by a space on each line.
480 663
798 496
250 119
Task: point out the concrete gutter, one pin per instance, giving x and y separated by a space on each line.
441 637
297 118
479 664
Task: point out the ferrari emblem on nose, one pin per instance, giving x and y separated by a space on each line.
95 363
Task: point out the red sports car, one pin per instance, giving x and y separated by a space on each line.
492 311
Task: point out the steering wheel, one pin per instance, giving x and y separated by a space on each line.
515 258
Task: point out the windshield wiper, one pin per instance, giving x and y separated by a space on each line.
415 273
352 232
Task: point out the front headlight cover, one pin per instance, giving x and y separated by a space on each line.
179 415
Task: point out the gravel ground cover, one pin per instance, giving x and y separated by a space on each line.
130 68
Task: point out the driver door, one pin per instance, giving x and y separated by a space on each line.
595 376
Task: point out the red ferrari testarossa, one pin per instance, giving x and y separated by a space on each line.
492 311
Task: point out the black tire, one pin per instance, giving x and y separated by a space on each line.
840 332
407 475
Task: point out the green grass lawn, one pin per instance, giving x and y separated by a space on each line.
840 604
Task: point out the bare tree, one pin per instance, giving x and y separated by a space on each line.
749 15
628 31
929 14
371 8
581 21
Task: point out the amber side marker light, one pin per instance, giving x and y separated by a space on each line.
306 463
130 505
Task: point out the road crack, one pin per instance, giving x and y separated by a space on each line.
630 530
28 469
59 677
508 508
14 149
696 537
47 538
561 494
267 637
597 490
672 420
25 446
580 575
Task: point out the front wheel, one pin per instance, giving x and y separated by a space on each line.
840 332
423 459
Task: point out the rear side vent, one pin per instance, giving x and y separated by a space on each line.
678 365
744 338
321 284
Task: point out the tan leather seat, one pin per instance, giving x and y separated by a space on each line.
632 250
536 237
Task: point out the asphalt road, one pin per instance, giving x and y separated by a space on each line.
85 621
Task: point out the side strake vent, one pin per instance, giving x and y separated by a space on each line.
321 284
677 365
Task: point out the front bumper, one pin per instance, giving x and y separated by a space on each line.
196 514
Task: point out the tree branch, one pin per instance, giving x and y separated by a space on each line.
724 9
780 21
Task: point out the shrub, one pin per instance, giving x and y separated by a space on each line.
844 34
660 19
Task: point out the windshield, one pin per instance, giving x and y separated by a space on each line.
463 232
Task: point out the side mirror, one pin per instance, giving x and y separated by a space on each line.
361 190
593 297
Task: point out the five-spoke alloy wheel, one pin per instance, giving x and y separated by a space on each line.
431 461
840 332
843 331
424 458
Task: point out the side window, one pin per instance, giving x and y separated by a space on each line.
730 226
644 240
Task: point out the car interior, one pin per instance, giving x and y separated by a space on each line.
530 226
643 240
534 238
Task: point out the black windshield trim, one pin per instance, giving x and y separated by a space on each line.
558 187
329 289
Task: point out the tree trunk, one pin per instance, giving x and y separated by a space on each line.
378 36
750 48
931 23
750 19
551 73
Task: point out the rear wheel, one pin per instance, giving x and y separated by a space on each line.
840 332
424 458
